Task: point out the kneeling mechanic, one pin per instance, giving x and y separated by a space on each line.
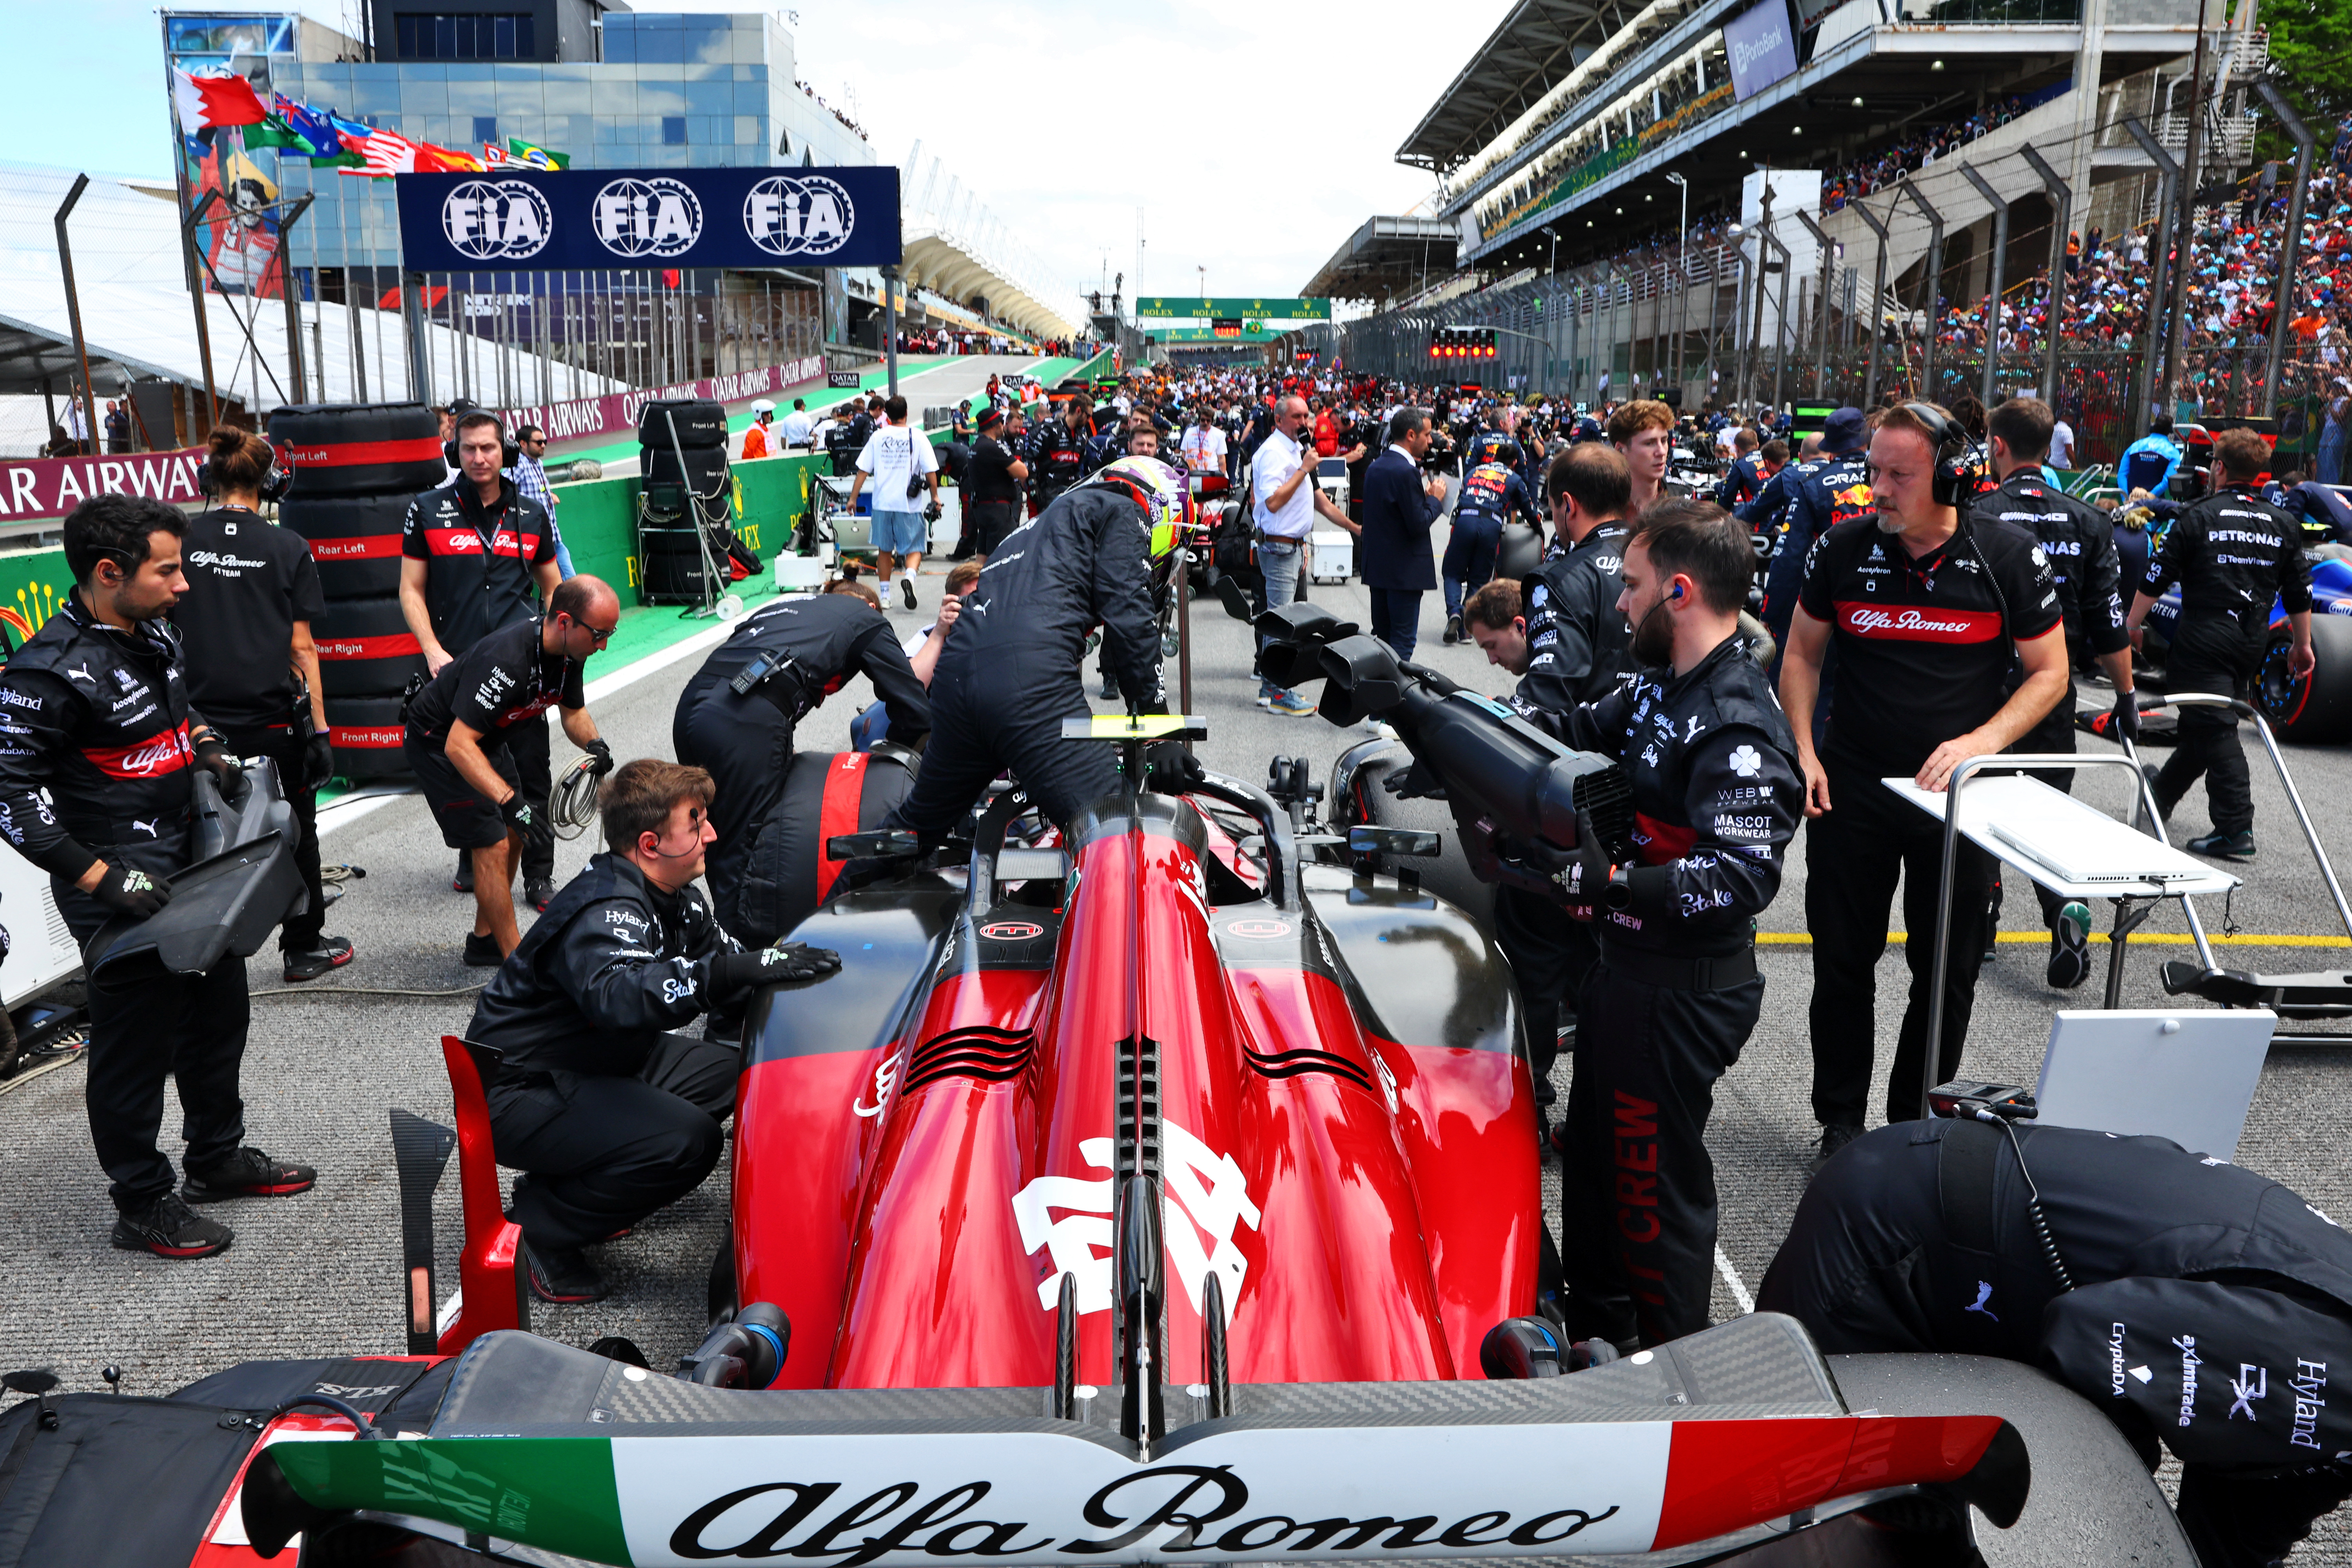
609 1114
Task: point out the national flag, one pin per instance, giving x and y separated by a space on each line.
315 127
387 153
433 160
214 100
275 133
537 157
495 157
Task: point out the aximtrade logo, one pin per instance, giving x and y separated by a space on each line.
659 217
496 220
799 214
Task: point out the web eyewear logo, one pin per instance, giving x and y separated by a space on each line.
788 215
496 220
648 217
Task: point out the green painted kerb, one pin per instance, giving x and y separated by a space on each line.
555 1493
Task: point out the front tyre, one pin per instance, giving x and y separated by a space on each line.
2317 708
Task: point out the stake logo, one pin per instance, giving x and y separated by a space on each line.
496 220
648 217
805 215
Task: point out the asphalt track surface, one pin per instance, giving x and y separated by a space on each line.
318 1273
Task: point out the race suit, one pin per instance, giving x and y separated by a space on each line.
1057 459
610 1114
746 742
1670 1005
2210 1307
1836 490
96 764
1490 493
2234 554
1011 673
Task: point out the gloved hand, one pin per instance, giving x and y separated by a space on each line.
2122 724
519 814
602 751
1419 782
1170 769
932 512
732 973
128 890
212 755
1574 877
318 763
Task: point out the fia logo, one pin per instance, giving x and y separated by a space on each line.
496 220
648 217
789 215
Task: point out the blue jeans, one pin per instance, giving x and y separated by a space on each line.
1396 618
1469 557
1277 563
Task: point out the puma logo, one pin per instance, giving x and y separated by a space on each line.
147 827
1984 1294
83 674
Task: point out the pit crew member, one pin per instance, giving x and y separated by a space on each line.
996 479
1834 489
787 658
458 738
2200 1304
99 749
1491 493
1924 611
610 1114
1057 452
2232 553
1675 993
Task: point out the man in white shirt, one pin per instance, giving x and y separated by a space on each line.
1283 501
2061 446
1205 445
899 460
797 424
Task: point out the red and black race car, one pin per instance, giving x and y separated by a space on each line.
1166 1191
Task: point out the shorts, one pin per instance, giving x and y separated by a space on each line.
899 533
466 819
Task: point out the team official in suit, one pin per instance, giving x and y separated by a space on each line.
1398 565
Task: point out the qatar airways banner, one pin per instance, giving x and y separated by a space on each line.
615 413
51 486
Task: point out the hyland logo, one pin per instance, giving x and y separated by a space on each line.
496 220
648 217
2310 1382
807 215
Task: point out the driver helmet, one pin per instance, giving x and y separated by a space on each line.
1165 498
762 409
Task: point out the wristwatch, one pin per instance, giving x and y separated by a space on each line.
1619 894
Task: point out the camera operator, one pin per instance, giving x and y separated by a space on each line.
608 1113
459 741
98 746
1924 610
252 668
735 721
992 500
1929 1238
1675 993
475 555
2080 543
2232 552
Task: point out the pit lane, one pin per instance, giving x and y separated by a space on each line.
319 1274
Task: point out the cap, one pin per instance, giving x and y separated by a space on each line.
988 419
1844 431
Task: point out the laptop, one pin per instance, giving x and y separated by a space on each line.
2188 1075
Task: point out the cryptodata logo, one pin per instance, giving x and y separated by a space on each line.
799 214
496 220
638 218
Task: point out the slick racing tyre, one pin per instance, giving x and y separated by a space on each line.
365 648
705 472
356 540
787 875
697 422
359 450
365 732
2317 708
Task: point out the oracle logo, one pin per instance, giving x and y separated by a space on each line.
1012 930
1912 623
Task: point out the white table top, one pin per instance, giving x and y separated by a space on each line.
2146 869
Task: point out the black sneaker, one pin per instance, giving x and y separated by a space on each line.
2148 771
482 952
1834 1137
248 1173
1453 631
539 892
2223 846
907 589
169 1228
2069 948
563 1275
463 882
333 953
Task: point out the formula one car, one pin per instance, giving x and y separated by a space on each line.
1163 1191
2317 708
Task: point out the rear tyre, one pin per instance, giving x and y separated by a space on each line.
699 423
2317 708
356 540
365 648
359 450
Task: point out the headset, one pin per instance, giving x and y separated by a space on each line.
509 457
274 484
1959 458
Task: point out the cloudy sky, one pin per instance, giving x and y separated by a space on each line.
1253 140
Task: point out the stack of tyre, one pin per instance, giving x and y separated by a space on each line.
687 500
356 466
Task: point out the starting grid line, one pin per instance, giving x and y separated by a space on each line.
2139 938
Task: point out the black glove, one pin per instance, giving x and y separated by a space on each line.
1419 782
732 974
932 512
602 751
318 763
212 755
1170 769
521 817
128 890
2122 724
1575 878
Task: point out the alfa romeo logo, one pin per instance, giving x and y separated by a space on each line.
799 214
496 220
648 217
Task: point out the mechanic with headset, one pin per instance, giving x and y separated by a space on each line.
253 670
735 721
99 748
607 1112
2079 542
458 740
1492 492
1923 608
1835 491
1011 672
2190 1301
475 555
2234 553
1675 993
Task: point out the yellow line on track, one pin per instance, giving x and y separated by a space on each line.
2139 938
